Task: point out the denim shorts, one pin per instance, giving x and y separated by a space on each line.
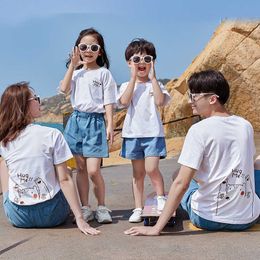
140 148
86 134
257 182
204 223
50 213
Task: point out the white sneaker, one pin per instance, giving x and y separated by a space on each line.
87 213
102 215
161 200
136 216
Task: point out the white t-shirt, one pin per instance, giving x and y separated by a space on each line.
142 117
91 90
222 150
30 159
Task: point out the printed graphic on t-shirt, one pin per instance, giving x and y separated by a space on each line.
29 187
237 184
96 83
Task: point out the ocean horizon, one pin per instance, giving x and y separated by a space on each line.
58 126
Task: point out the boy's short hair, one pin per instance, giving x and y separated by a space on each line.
140 45
209 81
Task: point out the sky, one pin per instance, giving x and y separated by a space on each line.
37 35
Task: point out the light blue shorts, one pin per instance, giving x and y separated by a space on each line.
50 213
140 148
86 134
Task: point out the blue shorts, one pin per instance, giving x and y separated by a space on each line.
140 148
204 223
86 134
257 182
50 213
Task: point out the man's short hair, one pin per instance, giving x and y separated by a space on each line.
141 46
210 81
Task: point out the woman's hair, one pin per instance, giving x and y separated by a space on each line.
14 111
102 60
210 81
141 46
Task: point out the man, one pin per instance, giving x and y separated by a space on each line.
215 184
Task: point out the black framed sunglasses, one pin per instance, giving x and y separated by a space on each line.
37 98
89 47
137 59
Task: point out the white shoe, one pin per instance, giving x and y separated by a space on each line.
136 216
161 200
102 215
87 213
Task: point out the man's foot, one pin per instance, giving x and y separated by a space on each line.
102 215
136 216
161 200
87 213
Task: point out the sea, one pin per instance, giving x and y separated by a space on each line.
53 125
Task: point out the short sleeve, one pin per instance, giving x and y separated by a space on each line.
192 150
120 93
167 97
61 150
110 88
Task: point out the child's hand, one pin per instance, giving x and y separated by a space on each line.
110 134
152 74
85 227
75 57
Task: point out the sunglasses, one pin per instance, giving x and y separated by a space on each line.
37 98
137 59
192 96
89 47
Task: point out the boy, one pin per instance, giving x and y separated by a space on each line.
217 171
143 136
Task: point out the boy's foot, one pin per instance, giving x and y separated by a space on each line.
161 200
87 213
102 215
136 216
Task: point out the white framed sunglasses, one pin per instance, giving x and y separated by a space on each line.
192 96
89 47
136 59
35 97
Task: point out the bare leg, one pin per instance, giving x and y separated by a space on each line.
4 177
82 179
152 170
93 168
138 182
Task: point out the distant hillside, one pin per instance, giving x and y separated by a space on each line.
54 107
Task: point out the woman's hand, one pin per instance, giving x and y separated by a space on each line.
110 134
85 227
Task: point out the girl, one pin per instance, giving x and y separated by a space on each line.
93 93
34 171
143 137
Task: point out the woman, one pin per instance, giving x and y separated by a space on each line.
37 188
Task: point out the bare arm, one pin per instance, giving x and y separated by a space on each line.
110 127
177 190
68 188
74 62
157 92
257 163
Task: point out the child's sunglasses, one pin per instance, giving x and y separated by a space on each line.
37 98
137 59
86 47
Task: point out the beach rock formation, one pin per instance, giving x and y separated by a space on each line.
234 49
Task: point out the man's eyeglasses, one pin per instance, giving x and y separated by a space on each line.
37 98
137 59
88 47
192 96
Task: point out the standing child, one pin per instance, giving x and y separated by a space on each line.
93 93
143 136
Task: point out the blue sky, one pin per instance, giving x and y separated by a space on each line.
37 35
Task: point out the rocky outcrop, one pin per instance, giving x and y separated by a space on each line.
234 49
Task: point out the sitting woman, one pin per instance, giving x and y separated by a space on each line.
37 188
